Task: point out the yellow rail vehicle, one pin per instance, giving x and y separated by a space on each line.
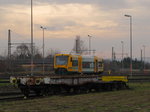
71 64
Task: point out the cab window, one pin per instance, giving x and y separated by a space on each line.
61 60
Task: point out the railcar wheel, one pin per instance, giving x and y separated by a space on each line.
37 92
84 89
96 87
126 86
56 89
123 85
76 90
25 91
46 90
67 89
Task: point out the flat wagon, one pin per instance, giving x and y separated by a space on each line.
56 84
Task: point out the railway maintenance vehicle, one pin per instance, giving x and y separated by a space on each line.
73 74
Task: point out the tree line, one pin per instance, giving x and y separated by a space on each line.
21 57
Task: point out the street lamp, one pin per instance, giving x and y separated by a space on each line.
43 28
89 43
31 38
130 42
122 53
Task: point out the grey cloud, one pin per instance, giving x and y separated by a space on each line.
62 25
144 3
59 25
7 2
105 4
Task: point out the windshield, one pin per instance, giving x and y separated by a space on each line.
61 60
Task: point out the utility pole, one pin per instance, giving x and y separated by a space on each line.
122 55
43 28
31 39
130 43
113 58
141 60
9 44
144 58
89 44
9 50
112 54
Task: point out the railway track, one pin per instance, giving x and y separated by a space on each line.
19 97
15 96
139 78
10 93
11 98
4 81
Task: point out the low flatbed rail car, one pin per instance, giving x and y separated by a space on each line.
53 84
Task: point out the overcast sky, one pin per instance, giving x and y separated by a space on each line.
104 20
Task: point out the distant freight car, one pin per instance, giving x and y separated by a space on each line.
73 64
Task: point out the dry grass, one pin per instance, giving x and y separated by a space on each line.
134 100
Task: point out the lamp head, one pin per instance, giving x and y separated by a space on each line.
127 15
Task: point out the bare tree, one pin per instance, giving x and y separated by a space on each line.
24 52
37 53
53 52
